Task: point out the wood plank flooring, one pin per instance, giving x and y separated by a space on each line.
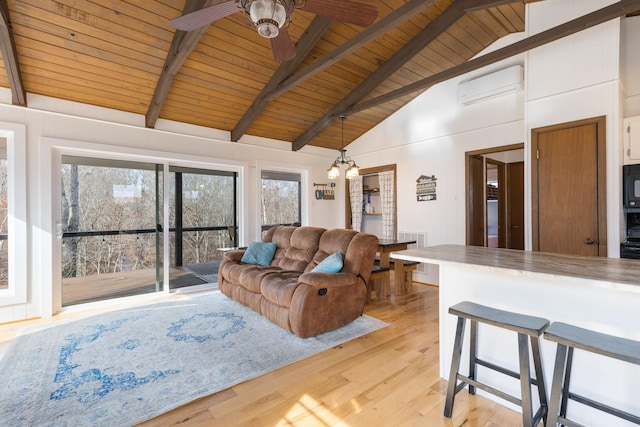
387 378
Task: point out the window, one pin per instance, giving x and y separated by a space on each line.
4 217
281 199
110 209
13 216
203 215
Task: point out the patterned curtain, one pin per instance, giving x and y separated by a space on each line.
388 208
355 195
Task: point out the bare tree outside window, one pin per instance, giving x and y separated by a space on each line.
281 198
98 199
208 217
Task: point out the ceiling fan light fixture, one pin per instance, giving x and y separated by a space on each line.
268 16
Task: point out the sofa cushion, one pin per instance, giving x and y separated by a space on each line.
279 287
260 253
331 264
332 241
301 249
251 278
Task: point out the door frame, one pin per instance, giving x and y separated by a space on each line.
372 171
467 169
601 135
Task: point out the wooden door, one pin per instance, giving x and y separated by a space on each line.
568 189
477 184
515 205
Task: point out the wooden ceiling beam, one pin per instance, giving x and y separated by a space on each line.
284 82
305 44
475 5
615 10
10 57
439 25
389 22
182 45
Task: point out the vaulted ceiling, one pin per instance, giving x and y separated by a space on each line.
126 55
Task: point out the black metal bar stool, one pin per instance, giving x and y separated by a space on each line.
525 326
570 337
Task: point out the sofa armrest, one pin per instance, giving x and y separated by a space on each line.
328 280
234 255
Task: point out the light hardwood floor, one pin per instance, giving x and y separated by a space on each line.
387 378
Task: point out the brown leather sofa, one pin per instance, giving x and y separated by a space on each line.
288 294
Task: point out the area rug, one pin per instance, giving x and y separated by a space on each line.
124 367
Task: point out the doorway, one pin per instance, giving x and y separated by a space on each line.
495 197
568 188
370 193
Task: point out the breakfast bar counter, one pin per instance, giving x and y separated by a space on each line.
601 294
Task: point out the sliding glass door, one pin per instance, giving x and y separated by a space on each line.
111 229
203 217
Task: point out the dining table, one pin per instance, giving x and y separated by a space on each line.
385 247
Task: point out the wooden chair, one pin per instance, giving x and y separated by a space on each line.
379 286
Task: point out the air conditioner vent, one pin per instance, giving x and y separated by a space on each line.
488 86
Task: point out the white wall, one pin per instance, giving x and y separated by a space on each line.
574 78
114 133
571 79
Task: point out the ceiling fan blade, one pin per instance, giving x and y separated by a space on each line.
282 47
202 17
352 11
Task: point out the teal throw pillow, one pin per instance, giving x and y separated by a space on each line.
260 253
331 264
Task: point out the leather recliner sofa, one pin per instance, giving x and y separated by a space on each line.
288 293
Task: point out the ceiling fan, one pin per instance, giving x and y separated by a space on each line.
272 17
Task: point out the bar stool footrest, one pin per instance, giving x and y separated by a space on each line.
604 408
489 389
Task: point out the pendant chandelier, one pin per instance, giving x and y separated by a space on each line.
352 170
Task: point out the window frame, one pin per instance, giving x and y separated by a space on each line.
303 201
16 293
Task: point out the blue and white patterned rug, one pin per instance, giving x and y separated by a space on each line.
123 367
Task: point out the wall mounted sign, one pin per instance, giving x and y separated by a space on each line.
426 188
325 191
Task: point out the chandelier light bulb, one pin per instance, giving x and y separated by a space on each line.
352 172
333 172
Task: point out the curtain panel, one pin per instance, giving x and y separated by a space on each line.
386 179
355 195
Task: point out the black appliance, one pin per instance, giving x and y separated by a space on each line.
631 247
631 186
630 250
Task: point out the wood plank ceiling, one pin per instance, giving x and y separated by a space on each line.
111 53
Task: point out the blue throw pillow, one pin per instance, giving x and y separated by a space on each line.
260 253
331 264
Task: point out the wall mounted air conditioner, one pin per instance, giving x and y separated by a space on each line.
490 85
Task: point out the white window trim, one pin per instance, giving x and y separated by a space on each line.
15 135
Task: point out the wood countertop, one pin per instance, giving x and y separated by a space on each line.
612 270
